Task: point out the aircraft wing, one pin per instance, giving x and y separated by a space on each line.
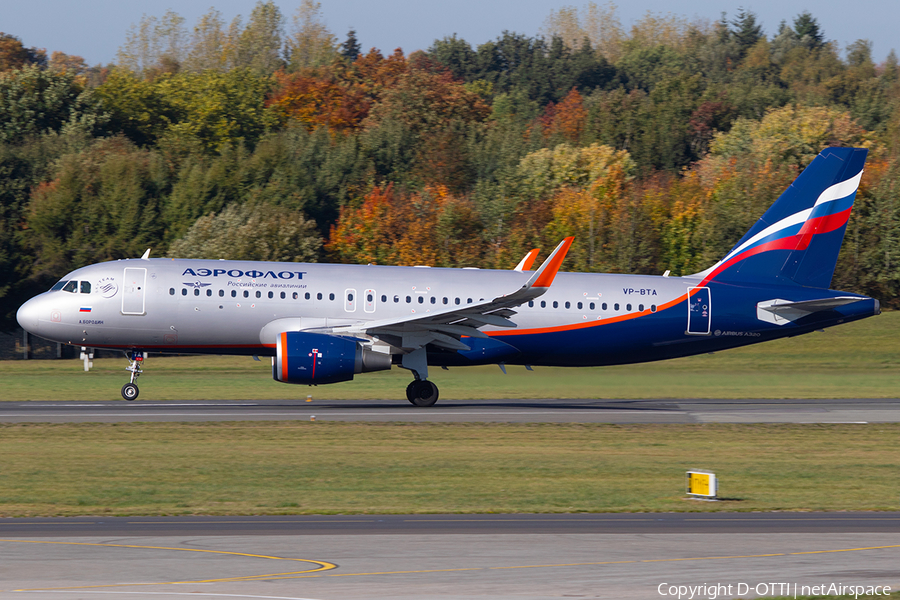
445 327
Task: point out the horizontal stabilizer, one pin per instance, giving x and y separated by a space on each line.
781 312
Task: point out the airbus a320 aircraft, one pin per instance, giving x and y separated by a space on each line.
325 323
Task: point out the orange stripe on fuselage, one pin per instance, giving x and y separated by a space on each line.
284 361
585 325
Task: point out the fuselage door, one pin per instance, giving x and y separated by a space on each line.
134 291
350 300
369 306
699 311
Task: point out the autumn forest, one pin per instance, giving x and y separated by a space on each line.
271 138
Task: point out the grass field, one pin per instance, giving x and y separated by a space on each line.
303 467
857 360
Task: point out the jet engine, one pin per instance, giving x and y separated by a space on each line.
313 358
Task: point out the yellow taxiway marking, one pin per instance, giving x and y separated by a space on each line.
322 565
326 566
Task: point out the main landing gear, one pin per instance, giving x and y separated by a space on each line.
420 392
130 390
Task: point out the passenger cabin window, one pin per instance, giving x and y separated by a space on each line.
196 291
543 304
641 307
434 300
603 307
408 299
580 306
72 287
616 306
456 301
296 295
568 305
555 304
171 291
283 296
652 308
531 304
85 287
331 296
421 299
384 297
446 299
246 294
306 296
258 294
593 306
234 293
319 296
209 292
184 291
468 301
221 293
628 307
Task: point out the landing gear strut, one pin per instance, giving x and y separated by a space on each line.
130 390
421 392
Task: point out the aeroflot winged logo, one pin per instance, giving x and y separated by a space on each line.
252 273
195 284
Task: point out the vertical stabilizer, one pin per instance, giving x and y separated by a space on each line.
797 241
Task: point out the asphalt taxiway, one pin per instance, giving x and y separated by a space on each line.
511 411
447 556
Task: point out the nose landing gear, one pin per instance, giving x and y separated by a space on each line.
130 390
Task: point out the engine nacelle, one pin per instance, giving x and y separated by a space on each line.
313 358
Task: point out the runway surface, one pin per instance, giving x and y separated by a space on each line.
436 556
512 411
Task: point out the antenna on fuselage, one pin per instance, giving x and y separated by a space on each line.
146 255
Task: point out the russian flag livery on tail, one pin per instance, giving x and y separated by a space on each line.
324 324
798 240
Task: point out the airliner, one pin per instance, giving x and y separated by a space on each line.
326 323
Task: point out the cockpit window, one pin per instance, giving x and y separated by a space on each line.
71 286
59 285
85 287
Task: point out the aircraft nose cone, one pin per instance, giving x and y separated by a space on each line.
27 315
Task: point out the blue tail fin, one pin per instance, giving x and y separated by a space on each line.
798 240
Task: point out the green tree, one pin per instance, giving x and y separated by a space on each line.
259 45
154 45
808 32
245 232
310 43
99 204
34 101
350 48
